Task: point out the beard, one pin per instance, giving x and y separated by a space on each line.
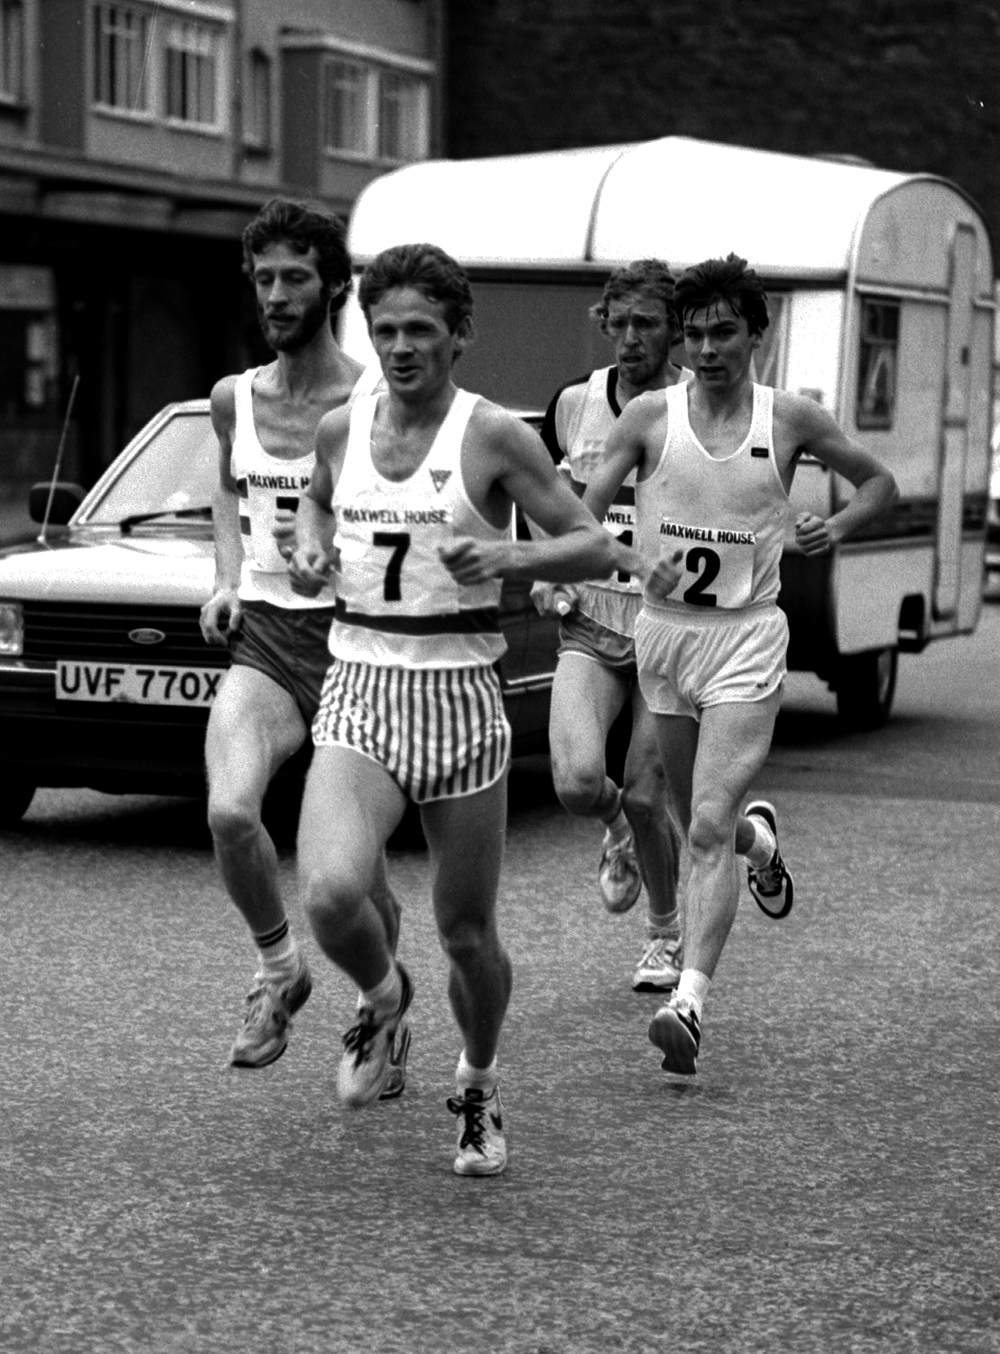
292 338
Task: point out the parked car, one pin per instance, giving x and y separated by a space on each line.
105 680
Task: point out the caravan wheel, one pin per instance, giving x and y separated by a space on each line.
865 686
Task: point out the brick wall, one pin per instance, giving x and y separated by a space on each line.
912 85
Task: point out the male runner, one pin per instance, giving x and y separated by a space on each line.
596 670
422 482
265 421
715 462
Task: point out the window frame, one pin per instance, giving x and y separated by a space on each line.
214 36
878 356
374 79
13 53
108 33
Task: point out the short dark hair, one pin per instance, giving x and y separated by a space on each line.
731 280
424 267
303 226
651 276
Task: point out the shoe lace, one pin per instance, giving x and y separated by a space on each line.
661 949
620 856
361 1035
261 1008
474 1129
771 877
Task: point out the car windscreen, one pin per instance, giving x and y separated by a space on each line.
175 470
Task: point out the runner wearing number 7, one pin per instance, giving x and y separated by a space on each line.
410 515
714 462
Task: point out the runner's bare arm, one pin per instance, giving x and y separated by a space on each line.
817 433
624 450
521 470
311 564
222 613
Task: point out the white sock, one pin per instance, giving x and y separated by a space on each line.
617 824
764 844
692 989
277 949
385 997
485 1078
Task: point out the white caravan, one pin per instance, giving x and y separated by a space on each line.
882 308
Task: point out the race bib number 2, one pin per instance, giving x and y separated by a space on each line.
717 561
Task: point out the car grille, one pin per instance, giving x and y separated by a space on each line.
100 634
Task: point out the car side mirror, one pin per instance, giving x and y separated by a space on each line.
66 498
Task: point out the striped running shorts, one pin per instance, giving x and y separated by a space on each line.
440 733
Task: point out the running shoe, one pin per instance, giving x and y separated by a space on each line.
366 1066
396 1084
618 874
676 1032
481 1146
267 1021
772 886
659 967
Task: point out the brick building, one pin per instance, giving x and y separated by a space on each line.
910 87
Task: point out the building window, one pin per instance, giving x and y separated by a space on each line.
402 124
192 74
372 112
876 404
12 50
346 116
257 101
121 35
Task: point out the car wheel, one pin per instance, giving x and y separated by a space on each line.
15 796
865 687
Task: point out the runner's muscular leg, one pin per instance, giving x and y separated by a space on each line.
733 744
255 726
350 808
647 806
586 698
465 838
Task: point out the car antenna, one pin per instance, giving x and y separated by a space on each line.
59 456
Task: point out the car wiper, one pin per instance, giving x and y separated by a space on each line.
138 518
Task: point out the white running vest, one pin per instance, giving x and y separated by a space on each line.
265 483
727 514
582 435
397 604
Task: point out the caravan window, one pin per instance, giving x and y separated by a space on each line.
877 370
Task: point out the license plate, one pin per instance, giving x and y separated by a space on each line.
133 684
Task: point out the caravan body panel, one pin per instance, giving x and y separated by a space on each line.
882 307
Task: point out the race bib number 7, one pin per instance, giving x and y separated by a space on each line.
717 562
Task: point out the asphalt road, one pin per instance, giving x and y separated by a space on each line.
827 1183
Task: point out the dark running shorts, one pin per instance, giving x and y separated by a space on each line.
289 645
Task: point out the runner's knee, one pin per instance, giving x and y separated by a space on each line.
579 785
233 819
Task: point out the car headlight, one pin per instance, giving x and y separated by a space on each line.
11 628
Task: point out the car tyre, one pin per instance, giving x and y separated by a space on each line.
865 686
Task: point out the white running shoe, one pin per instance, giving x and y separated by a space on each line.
618 874
481 1146
366 1066
772 886
659 967
676 1032
267 1021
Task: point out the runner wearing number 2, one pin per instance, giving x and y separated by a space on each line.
409 515
714 462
